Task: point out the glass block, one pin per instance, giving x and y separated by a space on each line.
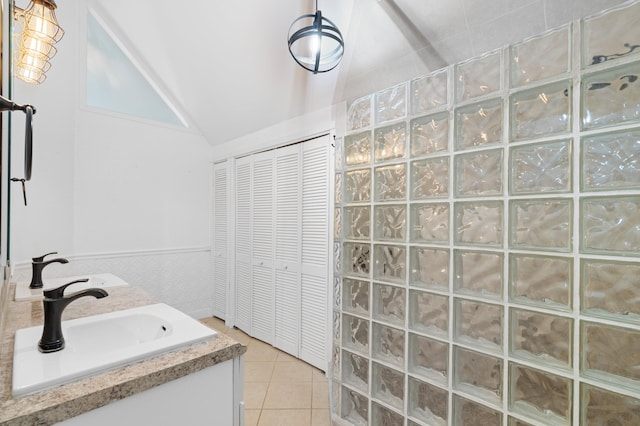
429 178
382 416
428 403
338 153
357 149
391 222
357 186
478 76
355 371
429 358
388 385
337 257
430 223
540 57
611 35
429 313
540 168
469 413
610 225
337 292
541 280
391 104
611 353
390 142
391 183
430 134
540 395
357 259
542 338
359 113
429 92
611 289
430 268
478 324
336 399
337 223
611 161
355 407
479 124
479 223
388 344
355 333
479 273
477 374
356 296
517 422
603 407
611 97
390 263
336 326
335 361
338 195
357 222
479 173
542 111
389 304
544 224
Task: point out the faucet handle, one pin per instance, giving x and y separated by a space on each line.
58 293
41 258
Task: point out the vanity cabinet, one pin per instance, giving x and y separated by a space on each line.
211 396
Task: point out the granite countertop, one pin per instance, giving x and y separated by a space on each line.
66 401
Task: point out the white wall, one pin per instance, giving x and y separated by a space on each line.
106 187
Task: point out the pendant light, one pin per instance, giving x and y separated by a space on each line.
40 31
315 42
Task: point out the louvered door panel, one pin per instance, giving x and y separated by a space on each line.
315 252
287 249
219 250
262 231
287 312
243 244
262 214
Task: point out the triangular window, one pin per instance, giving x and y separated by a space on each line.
116 83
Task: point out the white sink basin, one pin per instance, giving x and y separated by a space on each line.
102 342
23 292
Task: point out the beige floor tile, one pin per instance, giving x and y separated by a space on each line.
258 371
254 395
320 395
239 336
320 417
260 351
319 375
285 357
295 371
288 395
285 418
251 417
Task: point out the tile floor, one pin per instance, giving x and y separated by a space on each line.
279 390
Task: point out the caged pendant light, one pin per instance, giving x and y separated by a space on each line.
315 42
35 43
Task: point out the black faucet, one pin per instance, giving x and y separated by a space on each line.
38 265
54 303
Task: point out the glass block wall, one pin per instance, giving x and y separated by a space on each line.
487 239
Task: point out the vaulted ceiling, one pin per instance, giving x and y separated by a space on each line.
228 66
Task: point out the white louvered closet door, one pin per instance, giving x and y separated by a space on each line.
263 246
287 249
243 252
315 252
220 242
